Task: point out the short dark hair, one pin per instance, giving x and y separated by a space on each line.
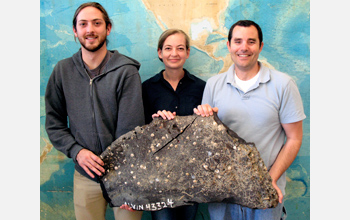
95 5
246 23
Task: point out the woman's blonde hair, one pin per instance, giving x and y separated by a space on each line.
168 33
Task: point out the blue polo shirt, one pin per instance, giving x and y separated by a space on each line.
159 95
256 115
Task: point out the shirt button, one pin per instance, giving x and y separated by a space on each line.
176 107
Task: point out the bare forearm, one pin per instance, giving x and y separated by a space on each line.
285 158
294 133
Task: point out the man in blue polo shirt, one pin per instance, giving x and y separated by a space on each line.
261 105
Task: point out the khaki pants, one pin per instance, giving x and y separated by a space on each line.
89 203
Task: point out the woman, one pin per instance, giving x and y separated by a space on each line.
173 91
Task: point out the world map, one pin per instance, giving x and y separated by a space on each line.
137 25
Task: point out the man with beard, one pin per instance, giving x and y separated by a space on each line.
91 99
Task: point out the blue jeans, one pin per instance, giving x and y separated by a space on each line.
187 212
227 211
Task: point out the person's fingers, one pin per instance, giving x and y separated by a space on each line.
201 110
97 159
168 114
209 111
161 114
92 166
164 114
195 110
97 165
204 110
90 162
86 169
126 207
155 116
279 192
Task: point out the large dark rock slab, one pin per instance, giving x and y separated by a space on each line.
185 160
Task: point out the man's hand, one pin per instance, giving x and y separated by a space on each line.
205 110
279 192
90 162
294 133
164 114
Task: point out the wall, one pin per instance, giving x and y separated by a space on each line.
137 24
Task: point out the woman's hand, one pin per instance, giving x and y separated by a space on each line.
164 114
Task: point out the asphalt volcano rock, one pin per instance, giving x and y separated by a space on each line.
170 163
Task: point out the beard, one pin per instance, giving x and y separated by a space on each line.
93 48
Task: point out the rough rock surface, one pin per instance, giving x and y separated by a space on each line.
185 160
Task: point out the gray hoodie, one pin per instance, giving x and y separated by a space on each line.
92 113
